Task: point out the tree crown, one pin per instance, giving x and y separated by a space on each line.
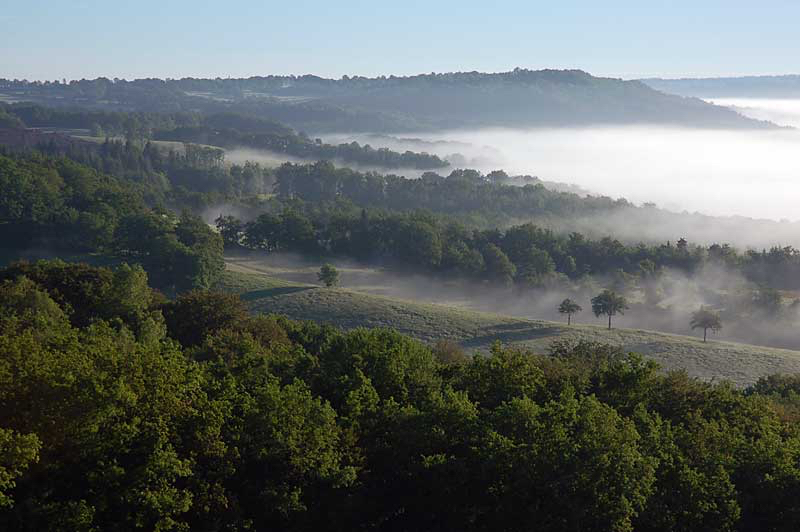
609 302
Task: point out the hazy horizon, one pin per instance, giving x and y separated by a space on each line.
251 38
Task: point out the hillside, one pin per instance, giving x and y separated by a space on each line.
739 363
519 98
744 86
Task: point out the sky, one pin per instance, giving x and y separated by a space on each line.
240 38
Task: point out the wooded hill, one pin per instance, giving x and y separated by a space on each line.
519 98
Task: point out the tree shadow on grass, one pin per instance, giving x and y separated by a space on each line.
273 292
519 326
518 335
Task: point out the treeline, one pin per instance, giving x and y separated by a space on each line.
58 205
121 410
299 145
462 192
131 125
525 254
226 130
519 98
188 176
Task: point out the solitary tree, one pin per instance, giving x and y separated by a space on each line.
328 275
609 303
569 307
706 319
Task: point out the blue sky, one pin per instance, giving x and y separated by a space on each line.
176 38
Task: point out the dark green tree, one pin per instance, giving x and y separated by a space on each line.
569 307
498 266
328 275
609 303
706 318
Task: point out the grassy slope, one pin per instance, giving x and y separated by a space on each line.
740 363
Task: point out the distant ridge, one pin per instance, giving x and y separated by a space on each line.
517 98
783 86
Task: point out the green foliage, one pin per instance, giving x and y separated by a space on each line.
328 275
609 303
194 315
569 307
17 453
498 266
238 422
234 131
63 205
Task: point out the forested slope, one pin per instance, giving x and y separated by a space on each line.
122 410
519 98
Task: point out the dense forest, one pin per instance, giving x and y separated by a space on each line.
63 206
425 224
519 98
225 130
125 201
425 242
124 410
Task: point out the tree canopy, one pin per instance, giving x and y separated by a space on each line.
569 307
706 318
328 275
120 410
609 303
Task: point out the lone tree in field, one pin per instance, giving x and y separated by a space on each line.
328 275
609 303
569 307
706 319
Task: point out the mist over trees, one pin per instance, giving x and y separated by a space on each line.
134 397
226 130
706 318
376 219
569 307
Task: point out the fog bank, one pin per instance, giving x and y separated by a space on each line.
718 172
271 159
784 112
678 295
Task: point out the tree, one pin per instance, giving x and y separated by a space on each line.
498 266
17 452
328 275
569 307
194 315
231 230
706 319
609 303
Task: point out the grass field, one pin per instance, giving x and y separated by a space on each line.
740 363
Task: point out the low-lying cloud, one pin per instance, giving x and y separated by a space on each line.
781 111
718 172
678 295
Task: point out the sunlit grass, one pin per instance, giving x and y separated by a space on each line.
476 331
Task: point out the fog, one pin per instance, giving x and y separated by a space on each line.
721 173
677 294
718 172
242 155
270 159
784 112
